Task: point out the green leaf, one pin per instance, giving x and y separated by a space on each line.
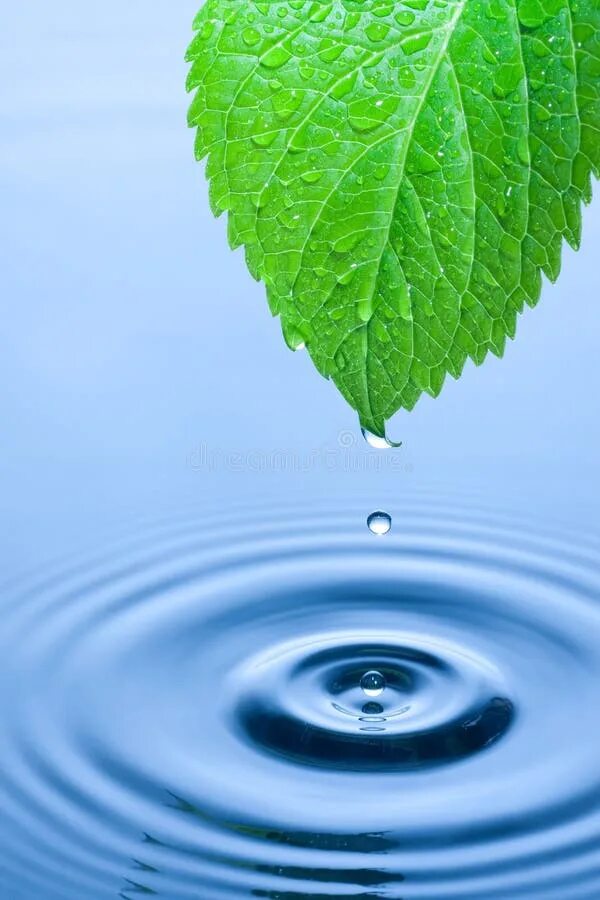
400 173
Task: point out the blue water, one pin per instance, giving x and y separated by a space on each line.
190 597
183 712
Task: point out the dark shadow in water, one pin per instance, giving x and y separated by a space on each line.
333 749
361 843
370 842
295 895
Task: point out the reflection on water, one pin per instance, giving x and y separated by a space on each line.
271 704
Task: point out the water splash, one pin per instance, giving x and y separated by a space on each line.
373 683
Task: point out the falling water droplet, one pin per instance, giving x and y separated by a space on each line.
372 683
379 523
378 442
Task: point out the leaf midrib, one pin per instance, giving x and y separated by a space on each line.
450 28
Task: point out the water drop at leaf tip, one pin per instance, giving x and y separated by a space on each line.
378 441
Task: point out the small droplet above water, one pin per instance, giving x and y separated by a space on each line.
379 523
372 683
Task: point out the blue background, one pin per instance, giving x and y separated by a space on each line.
142 374
135 346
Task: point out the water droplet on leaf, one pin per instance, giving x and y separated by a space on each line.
378 442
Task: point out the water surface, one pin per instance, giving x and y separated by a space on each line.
271 702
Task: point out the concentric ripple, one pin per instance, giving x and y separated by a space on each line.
272 704
315 706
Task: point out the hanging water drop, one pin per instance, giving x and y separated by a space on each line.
378 442
379 523
372 683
